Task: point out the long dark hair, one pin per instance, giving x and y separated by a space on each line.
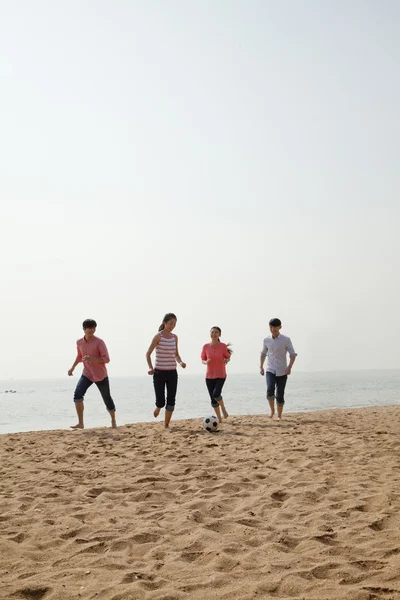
167 318
227 345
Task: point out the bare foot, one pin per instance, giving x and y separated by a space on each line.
271 416
79 426
156 411
114 424
219 420
225 414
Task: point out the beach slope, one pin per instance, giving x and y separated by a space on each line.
304 509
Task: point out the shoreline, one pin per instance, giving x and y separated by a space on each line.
231 416
308 507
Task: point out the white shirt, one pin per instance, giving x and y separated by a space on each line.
276 349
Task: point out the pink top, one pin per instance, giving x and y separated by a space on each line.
94 347
216 367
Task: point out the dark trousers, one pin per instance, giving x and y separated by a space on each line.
104 388
214 387
162 380
278 383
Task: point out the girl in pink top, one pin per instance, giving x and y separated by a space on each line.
216 355
164 372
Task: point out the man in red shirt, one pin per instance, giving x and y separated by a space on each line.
92 351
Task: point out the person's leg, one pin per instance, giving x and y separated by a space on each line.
218 396
280 394
104 389
172 385
210 383
81 388
224 411
159 389
271 382
218 413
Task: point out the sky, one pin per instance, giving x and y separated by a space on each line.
226 160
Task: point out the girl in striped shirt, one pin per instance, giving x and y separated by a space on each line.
164 372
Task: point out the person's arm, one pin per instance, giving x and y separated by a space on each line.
104 357
226 354
290 365
76 362
292 355
263 355
204 358
178 358
153 344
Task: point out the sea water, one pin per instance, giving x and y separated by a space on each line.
40 404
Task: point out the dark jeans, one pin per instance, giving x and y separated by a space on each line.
162 380
104 387
278 382
214 387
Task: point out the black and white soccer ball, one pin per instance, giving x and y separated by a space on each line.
210 423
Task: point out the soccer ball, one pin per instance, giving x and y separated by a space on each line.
210 423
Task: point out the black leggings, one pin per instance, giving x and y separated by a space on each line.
214 387
162 380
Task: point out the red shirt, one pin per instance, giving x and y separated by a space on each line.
216 367
94 347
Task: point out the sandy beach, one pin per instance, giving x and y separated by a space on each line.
303 509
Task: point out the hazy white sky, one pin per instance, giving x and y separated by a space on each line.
227 160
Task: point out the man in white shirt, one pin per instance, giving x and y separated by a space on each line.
275 348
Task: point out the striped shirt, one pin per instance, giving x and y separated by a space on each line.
166 353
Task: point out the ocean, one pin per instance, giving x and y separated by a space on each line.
42 404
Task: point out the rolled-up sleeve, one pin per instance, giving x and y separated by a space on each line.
264 350
104 352
203 353
290 349
78 353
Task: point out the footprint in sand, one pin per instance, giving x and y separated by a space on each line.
191 556
327 538
98 548
69 534
94 492
279 496
145 538
378 525
135 576
33 593
26 575
19 538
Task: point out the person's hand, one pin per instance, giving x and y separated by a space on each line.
150 372
183 365
208 361
70 372
226 360
288 371
261 371
87 359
